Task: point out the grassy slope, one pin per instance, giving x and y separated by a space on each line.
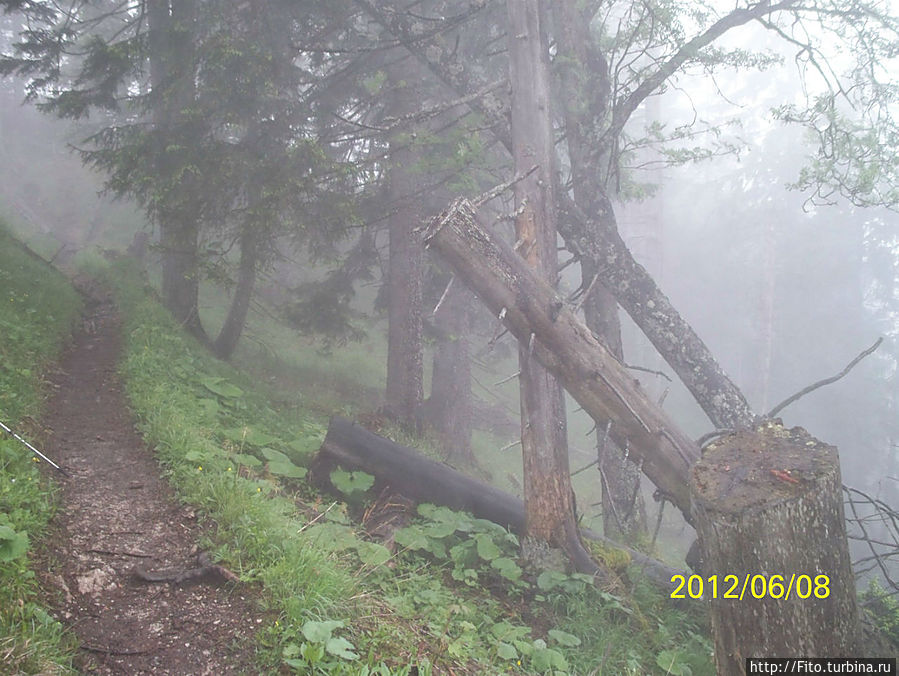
38 308
452 598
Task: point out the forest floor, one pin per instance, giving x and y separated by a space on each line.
118 520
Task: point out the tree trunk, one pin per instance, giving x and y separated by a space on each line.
424 480
628 281
404 295
548 496
180 272
584 84
449 408
565 346
172 80
243 293
768 503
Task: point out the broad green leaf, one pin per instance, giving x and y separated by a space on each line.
287 469
13 544
413 538
340 647
249 436
246 460
438 530
210 406
671 662
564 638
222 387
507 568
544 659
351 482
333 537
506 651
320 632
306 445
274 456
373 554
487 548
550 579
505 631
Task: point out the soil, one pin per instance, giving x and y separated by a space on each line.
116 514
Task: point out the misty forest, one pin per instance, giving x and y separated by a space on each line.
394 337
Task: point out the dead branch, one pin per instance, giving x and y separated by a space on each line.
498 190
821 383
205 569
646 370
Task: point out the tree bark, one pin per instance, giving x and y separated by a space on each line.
234 324
585 96
403 395
565 346
172 81
769 502
627 280
449 408
548 496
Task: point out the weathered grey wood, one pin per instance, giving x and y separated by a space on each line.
768 502
425 480
418 477
561 342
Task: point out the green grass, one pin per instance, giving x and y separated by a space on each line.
452 597
38 309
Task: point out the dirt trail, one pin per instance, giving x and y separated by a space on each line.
116 513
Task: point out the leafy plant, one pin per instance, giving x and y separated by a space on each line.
13 544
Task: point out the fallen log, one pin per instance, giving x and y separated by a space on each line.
424 480
539 318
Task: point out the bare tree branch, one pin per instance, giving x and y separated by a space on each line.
821 383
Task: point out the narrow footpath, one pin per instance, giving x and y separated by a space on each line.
119 523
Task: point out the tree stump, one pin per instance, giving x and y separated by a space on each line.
768 502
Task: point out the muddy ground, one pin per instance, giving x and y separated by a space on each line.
117 515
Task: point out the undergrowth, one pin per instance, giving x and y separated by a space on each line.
38 309
451 597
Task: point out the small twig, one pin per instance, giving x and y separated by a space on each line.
709 436
646 370
655 533
443 296
821 383
623 401
592 462
586 293
508 446
505 380
663 396
136 555
317 517
502 187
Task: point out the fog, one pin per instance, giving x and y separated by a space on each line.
755 184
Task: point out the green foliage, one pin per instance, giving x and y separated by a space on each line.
350 483
474 547
455 590
13 544
38 308
884 610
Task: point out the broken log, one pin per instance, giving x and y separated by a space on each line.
424 480
769 513
539 318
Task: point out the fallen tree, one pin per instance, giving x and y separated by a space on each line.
553 334
424 480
